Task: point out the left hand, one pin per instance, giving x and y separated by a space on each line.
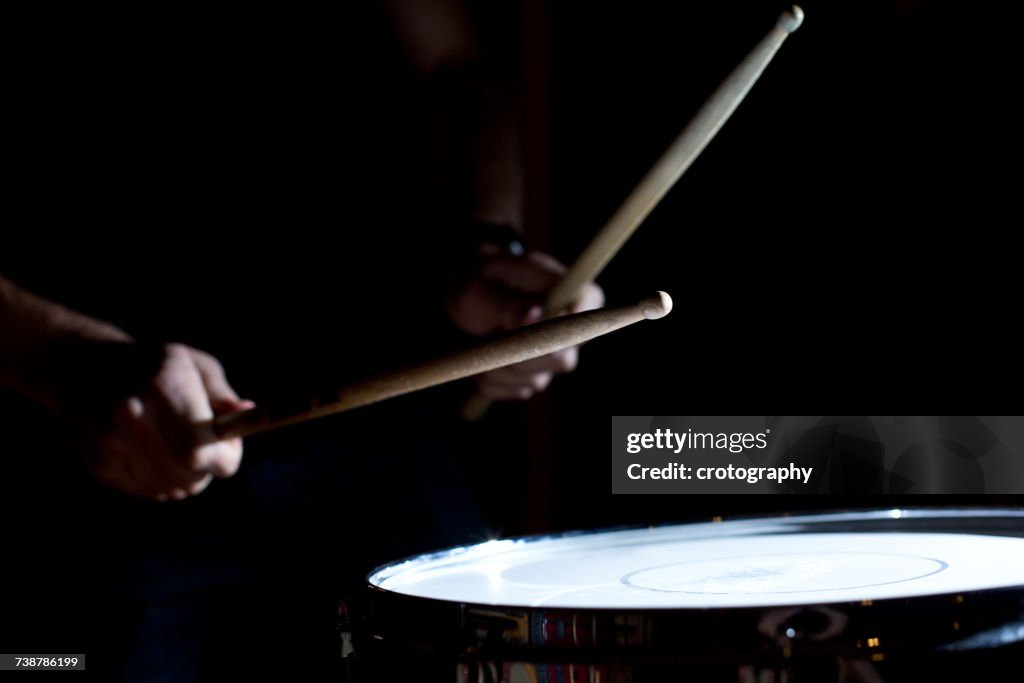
507 292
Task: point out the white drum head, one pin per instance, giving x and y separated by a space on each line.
732 564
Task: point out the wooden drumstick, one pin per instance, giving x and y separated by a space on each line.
517 346
672 164
662 176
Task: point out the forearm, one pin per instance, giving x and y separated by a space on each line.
470 121
33 334
495 159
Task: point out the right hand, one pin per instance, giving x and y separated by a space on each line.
508 292
159 443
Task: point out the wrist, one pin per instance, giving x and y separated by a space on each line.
479 237
473 241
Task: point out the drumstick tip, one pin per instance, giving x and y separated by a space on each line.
658 305
791 19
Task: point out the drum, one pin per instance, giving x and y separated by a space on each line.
891 595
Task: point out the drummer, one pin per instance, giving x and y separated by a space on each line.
145 438
290 296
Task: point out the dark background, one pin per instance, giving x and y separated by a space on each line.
841 246
229 180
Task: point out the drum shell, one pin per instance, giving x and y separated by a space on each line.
952 636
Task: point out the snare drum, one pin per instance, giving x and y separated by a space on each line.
895 595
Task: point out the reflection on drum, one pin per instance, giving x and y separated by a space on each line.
893 595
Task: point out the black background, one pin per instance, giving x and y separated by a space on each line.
840 247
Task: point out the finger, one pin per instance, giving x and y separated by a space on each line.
116 477
590 298
151 483
152 463
482 308
506 293
533 273
221 459
221 395
230 405
559 362
111 468
535 382
179 494
157 482
181 384
199 486
503 392
145 489
502 376
141 478
162 492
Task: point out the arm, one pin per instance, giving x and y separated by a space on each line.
34 330
475 126
137 413
471 123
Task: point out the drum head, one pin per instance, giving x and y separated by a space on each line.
856 586
752 563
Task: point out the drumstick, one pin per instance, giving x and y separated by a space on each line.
661 177
517 346
672 164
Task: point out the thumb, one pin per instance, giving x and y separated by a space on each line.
230 405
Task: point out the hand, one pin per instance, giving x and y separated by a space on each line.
158 443
508 292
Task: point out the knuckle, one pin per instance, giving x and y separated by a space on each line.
176 350
540 381
129 409
178 362
208 362
201 355
566 361
167 383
